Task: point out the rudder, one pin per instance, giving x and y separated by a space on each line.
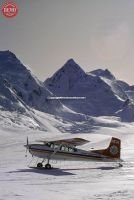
113 150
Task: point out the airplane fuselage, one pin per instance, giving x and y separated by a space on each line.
64 153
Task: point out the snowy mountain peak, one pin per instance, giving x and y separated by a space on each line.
71 66
9 63
71 61
104 73
66 77
18 86
8 56
6 53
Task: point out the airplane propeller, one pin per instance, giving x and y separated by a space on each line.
27 140
27 145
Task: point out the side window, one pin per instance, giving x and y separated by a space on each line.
66 148
62 148
52 145
48 144
56 146
70 149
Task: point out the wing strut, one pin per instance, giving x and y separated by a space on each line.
53 153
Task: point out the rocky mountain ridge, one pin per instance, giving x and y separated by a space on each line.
23 93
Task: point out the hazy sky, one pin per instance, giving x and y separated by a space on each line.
96 33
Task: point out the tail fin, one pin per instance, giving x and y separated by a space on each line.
113 151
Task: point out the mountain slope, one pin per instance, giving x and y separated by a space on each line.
20 80
104 94
65 78
21 92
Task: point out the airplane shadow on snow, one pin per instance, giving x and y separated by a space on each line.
53 172
58 171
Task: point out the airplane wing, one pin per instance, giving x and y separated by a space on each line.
70 141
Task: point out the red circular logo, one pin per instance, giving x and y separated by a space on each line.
9 9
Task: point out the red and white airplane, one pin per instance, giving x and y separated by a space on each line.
71 149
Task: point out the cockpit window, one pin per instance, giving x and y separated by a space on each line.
68 149
52 145
48 144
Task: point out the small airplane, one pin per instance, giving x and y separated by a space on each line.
67 149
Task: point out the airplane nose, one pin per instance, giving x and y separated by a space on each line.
27 146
